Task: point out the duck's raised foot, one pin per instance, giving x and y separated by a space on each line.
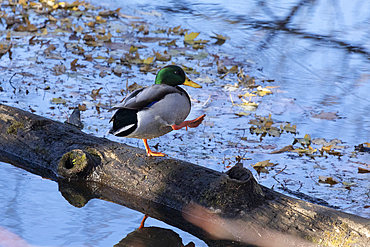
191 123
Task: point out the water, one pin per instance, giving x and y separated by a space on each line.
318 58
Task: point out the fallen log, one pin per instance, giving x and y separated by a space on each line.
88 167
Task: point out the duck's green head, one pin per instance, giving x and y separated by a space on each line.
173 75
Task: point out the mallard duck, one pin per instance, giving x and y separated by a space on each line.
155 110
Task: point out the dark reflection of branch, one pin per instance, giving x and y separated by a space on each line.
79 193
282 25
152 237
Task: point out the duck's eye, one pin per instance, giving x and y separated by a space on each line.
177 72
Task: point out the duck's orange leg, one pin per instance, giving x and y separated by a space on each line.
150 152
143 221
191 123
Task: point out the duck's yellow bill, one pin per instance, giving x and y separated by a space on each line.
190 83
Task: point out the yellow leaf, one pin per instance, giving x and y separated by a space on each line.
8 35
220 37
191 36
22 2
263 91
247 94
133 49
159 57
100 57
328 180
44 32
148 60
265 163
58 101
327 148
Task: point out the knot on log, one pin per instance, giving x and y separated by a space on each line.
236 187
77 164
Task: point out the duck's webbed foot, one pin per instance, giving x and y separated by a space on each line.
191 123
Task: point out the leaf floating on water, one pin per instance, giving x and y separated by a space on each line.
189 70
362 148
133 49
59 69
162 57
265 163
220 39
189 37
204 79
363 170
284 149
148 60
171 43
263 91
289 129
74 65
304 141
326 115
58 101
310 150
221 67
177 30
133 87
245 80
240 114
328 180
232 70
261 166
247 94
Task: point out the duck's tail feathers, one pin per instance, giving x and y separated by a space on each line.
124 122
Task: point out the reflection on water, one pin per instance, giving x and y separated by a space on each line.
317 53
35 210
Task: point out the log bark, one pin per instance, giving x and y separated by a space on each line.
88 167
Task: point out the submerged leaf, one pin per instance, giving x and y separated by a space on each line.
58 101
328 180
326 115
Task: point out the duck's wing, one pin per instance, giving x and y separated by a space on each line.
145 97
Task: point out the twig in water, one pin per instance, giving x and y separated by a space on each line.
10 80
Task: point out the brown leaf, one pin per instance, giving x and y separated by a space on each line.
133 87
59 69
326 115
363 170
284 149
327 180
74 65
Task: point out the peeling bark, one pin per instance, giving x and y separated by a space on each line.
89 167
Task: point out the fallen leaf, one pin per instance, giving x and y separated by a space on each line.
189 37
59 69
326 115
363 170
220 39
284 149
263 91
148 60
304 141
171 43
261 166
328 180
162 57
58 101
133 87
204 79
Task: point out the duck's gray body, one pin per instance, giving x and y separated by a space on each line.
150 112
